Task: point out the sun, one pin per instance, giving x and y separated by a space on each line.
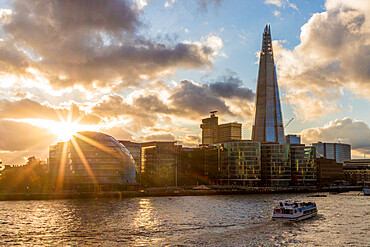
66 130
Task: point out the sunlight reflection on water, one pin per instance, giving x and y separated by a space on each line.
189 221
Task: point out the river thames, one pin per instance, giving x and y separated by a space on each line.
343 220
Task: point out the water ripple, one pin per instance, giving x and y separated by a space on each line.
184 221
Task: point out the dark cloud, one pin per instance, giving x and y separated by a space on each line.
84 42
112 15
194 98
153 103
23 136
114 106
26 108
11 59
230 86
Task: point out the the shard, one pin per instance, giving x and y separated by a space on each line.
268 122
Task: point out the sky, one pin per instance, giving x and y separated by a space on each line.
145 70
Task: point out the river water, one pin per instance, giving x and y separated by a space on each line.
244 220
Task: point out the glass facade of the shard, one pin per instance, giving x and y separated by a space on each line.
268 123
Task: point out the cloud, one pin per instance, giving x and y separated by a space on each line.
12 60
118 132
190 140
276 13
317 107
95 45
346 130
26 108
115 107
334 54
274 2
153 104
169 3
188 100
196 99
16 136
230 86
281 3
159 137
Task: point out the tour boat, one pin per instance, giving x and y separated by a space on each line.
366 191
294 211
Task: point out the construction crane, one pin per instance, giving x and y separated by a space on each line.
289 122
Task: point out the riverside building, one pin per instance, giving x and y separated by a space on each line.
239 163
340 152
328 170
303 165
159 163
357 171
275 164
91 162
268 123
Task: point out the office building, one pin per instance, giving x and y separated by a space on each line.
268 123
275 164
328 170
310 157
209 128
303 165
229 132
357 171
239 163
198 166
293 139
159 163
213 133
340 152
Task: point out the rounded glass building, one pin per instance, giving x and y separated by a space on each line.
98 162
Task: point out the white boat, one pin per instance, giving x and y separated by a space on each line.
294 211
366 191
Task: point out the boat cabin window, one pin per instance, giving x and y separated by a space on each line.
287 211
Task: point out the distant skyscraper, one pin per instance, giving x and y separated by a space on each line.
213 133
293 139
268 123
210 129
336 151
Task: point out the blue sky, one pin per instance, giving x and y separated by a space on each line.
151 69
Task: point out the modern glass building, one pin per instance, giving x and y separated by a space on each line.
268 123
293 139
159 163
239 162
275 164
340 152
303 164
91 162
